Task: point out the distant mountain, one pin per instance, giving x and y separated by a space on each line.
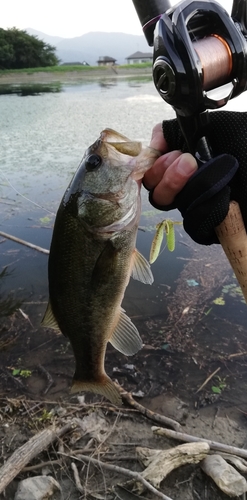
53 40
91 46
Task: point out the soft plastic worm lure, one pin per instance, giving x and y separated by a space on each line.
167 227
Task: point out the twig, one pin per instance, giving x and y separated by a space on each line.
16 381
207 380
28 451
237 355
23 242
40 465
156 417
25 316
215 416
49 378
214 445
77 478
121 470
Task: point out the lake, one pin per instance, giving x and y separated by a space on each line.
192 319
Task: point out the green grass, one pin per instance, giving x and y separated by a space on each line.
130 66
63 69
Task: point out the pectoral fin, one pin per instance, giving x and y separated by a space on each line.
49 320
141 269
125 337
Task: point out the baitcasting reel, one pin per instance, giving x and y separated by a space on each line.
200 60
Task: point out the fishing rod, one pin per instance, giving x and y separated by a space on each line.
199 64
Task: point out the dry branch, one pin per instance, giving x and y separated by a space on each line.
23 242
156 417
23 455
121 470
77 478
207 380
214 445
50 381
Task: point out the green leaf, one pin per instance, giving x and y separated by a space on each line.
25 373
45 220
216 389
15 372
219 301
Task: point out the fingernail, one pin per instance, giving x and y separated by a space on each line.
187 164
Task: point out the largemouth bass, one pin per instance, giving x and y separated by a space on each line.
93 255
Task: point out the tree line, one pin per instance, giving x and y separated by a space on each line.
18 50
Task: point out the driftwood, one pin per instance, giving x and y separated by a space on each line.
23 455
159 463
214 445
23 242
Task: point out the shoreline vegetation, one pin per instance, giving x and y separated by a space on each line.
76 72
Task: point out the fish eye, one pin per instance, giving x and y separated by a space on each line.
93 162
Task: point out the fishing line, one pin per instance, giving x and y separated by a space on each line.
162 250
25 197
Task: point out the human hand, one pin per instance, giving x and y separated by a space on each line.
170 172
204 199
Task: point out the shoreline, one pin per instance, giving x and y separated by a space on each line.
74 76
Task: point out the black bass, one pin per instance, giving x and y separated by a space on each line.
93 255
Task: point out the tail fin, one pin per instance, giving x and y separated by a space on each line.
104 386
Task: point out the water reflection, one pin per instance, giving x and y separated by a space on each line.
34 89
108 83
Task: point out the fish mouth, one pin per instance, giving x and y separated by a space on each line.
120 142
132 153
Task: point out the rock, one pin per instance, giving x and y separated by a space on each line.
224 475
37 488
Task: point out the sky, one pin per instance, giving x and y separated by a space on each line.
73 18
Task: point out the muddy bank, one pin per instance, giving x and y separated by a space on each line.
111 436
192 369
75 76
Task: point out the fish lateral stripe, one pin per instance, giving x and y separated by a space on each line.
104 387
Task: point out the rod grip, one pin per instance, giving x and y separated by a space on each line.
233 238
